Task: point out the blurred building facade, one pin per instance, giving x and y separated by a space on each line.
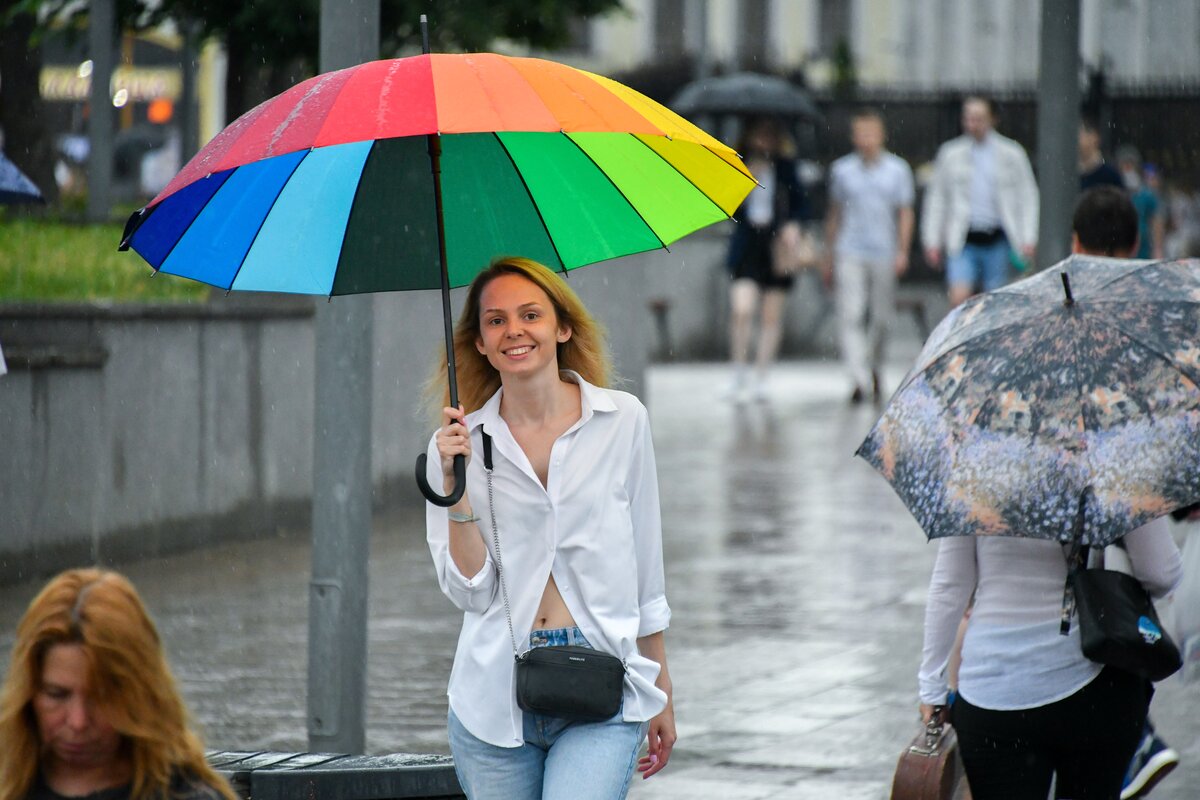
914 44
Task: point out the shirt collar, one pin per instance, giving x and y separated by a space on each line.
592 400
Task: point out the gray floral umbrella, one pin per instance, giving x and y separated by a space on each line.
1063 406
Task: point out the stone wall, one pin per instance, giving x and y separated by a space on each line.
131 431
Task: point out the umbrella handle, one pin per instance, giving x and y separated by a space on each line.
460 482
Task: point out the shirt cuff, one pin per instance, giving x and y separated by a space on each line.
654 616
934 693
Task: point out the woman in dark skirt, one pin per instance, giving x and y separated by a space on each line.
775 208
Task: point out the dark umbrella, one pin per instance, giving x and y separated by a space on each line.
14 186
1062 407
745 93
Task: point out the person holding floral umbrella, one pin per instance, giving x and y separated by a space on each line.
1030 707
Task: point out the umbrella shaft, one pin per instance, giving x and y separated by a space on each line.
435 163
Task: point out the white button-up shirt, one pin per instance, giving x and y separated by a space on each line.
595 527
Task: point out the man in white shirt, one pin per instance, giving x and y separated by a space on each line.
981 206
868 230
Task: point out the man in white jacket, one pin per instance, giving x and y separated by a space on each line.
981 206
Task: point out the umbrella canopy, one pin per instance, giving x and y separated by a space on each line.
1064 406
415 173
745 93
14 186
328 189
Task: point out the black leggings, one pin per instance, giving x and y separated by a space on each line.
1086 740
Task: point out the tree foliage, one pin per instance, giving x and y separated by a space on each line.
272 44
286 30
474 25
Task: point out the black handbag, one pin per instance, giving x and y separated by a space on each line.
1118 625
564 681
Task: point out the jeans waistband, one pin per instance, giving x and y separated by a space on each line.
557 637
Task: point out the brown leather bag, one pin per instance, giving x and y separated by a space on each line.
929 768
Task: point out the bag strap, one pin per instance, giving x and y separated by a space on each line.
1077 559
487 465
487 449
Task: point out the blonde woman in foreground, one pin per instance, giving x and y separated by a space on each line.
89 707
575 503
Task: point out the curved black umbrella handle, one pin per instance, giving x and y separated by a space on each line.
460 482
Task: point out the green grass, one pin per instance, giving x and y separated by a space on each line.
47 260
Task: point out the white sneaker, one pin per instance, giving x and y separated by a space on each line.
735 390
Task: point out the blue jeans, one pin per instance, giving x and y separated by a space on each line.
560 759
984 265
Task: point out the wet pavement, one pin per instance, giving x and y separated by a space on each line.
796 578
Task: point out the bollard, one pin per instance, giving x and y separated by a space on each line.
659 306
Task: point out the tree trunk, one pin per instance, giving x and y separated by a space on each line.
26 142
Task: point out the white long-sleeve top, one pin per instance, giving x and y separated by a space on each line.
1014 656
596 527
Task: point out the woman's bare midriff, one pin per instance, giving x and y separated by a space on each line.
552 612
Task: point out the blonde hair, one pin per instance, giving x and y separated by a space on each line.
129 681
586 352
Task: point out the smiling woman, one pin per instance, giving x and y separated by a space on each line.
89 705
572 501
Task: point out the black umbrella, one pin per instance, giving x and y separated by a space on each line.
14 186
745 93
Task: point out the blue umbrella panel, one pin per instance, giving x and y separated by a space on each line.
14 186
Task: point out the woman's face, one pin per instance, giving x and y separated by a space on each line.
518 327
72 730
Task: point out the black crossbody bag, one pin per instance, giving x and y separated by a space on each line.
564 681
1118 625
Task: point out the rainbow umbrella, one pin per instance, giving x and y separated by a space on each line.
414 173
